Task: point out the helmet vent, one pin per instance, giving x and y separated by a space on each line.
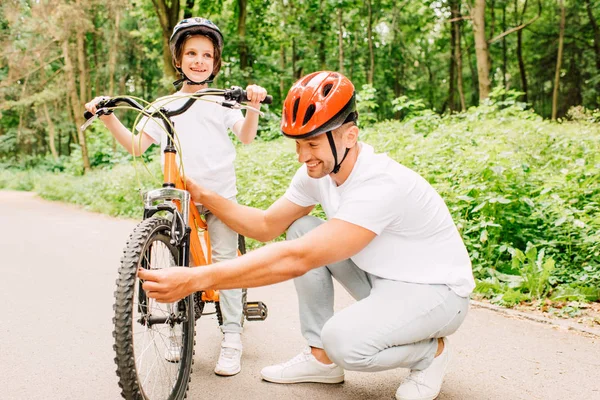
295 111
310 111
327 89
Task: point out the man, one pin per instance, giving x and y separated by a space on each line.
389 240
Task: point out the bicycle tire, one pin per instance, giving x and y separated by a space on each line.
146 331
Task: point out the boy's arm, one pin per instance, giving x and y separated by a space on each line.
246 129
134 144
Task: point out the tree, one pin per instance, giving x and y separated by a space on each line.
481 49
561 37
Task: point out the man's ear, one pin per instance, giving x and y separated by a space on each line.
351 136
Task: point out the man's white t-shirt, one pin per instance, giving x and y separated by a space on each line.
207 151
417 240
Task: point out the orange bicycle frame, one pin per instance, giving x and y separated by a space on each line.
199 255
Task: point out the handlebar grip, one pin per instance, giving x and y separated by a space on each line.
238 94
268 99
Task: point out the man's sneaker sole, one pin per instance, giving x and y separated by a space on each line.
305 379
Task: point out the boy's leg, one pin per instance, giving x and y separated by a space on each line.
224 245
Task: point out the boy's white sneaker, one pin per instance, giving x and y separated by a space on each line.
173 350
425 384
229 362
303 368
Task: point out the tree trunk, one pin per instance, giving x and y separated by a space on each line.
112 65
282 93
472 67
76 105
340 40
371 72
504 59
452 67
481 49
241 31
459 64
168 16
561 36
596 31
522 70
396 54
51 132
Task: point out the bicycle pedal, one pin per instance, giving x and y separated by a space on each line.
255 311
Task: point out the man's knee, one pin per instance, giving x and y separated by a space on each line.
302 226
342 348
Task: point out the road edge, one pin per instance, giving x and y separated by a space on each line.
564 324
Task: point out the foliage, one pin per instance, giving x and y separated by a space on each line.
366 105
523 192
273 44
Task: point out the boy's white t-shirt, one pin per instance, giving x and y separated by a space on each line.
417 240
207 151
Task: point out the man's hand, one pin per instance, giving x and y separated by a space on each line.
169 284
194 189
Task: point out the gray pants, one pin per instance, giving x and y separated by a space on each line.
224 243
393 324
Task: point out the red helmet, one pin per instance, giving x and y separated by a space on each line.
318 103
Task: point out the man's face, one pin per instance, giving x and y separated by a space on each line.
316 152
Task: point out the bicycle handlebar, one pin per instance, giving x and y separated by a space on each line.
236 94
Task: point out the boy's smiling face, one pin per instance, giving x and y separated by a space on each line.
197 59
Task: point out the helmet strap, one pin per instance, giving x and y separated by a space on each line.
188 81
337 166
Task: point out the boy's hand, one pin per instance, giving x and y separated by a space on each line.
255 94
92 105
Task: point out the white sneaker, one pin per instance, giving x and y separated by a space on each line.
303 368
425 384
230 359
173 351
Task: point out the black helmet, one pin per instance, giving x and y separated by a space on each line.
196 26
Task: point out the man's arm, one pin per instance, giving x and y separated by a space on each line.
331 242
248 221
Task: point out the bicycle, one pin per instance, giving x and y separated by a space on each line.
145 330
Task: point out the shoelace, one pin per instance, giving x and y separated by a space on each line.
416 376
304 356
229 353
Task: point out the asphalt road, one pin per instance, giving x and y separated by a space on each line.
57 271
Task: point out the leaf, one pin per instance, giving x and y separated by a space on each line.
484 236
479 207
468 199
560 221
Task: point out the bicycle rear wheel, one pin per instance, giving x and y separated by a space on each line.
154 342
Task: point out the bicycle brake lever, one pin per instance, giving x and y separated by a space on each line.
88 122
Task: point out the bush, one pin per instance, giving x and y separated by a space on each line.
524 192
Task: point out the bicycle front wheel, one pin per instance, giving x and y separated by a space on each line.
154 342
